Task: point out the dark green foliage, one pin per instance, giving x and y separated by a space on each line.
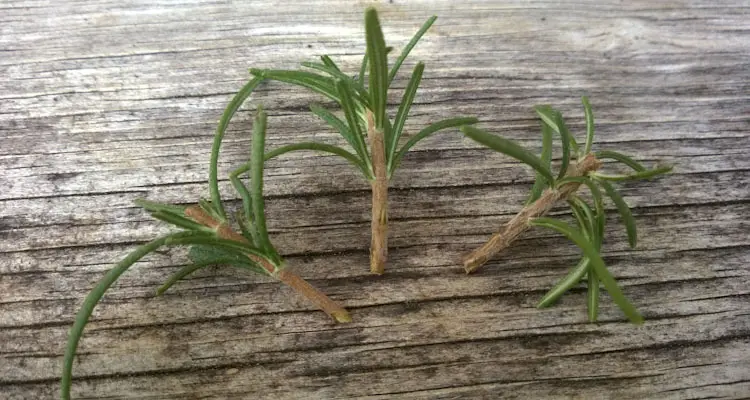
207 248
355 100
589 232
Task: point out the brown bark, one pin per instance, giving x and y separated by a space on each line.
520 223
315 296
379 224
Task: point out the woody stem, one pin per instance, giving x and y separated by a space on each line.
299 285
379 223
521 222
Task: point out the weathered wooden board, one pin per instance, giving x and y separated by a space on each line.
105 102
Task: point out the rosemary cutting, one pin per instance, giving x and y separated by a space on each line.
579 167
363 103
374 138
207 230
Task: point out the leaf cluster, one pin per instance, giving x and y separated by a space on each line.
207 247
588 231
359 98
357 95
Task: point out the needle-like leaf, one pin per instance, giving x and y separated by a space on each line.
337 74
565 141
403 112
326 148
206 206
613 155
363 66
589 124
185 271
413 42
363 70
601 217
92 299
548 115
539 183
387 137
329 63
213 173
256 182
509 148
152 206
554 119
211 240
596 261
574 150
315 82
247 206
178 220
592 295
313 146
350 112
596 194
205 256
378 66
647 174
585 223
590 218
622 207
338 125
426 132
571 279
580 219
245 223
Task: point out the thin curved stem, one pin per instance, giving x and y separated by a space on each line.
322 147
82 318
213 171
424 133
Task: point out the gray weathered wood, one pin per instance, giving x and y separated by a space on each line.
105 102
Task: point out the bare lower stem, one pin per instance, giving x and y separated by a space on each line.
315 296
520 223
379 241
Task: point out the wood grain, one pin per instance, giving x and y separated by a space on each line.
105 102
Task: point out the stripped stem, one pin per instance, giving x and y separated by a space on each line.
520 223
315 296
379 243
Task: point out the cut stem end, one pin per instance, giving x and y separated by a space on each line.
342 317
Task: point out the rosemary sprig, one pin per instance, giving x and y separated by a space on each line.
374 139
205 228
365 119
578 167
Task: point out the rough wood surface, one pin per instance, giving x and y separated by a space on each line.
105 102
